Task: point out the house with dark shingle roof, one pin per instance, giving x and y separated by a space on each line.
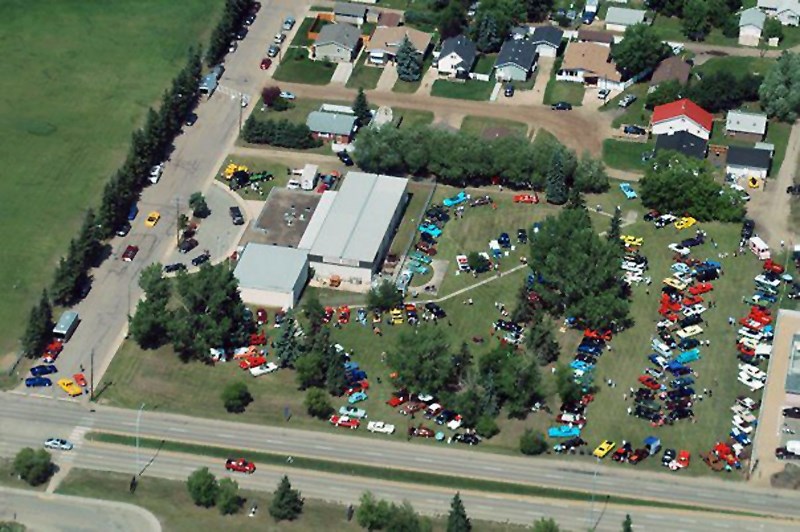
671 68
457 56
337 42
596 36
748 162
351 13
516 60
683 142
547 40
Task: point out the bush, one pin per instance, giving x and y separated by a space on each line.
34 467
532 443
199 206
486 426
203 487
236 397
281 133
318 403
228 498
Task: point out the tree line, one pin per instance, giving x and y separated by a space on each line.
232 21
281 133
463 159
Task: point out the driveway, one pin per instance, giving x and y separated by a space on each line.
388 79
427 81
535 96
342 73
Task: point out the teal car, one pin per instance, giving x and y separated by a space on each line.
357 397
352 411
461 197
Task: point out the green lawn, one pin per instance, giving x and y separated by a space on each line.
301 37
299 110
169 501
364 76
409 87
563 91
671 29
732 63
408 226
257 165
84 76
298 68
635 113
468 90
477 125
485 64
625 155
411 117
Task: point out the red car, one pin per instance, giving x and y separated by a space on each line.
344 315
426 248
526 198
360 386
772 266
253 362
747 351
649 382
240 465
328 315
258 339
266 63
597 335
398 398
700 288
345 421
692 300
79 379
638 455
261 316
130 253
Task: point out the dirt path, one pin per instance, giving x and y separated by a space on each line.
578 129
771 208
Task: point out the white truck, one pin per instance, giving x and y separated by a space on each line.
269 367
380 427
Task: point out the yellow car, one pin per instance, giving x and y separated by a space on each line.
152 219
685 223
397 316
674 283
604 448
631 241
69 386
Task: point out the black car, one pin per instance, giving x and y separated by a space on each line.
634 130
704 276
426 237
522 236
587 359
191 119
677 393
467 437
508 326
694 319
569 445
783 453
680 413
561 106
124 229
646 413
748 227
792 412
509 90
437 213
187 245
85 286
241 34
201 259
445 417
643 394
174 267
688 343
249 19
669 456
436 310
572 408
483 200
683 402
345 158
236 216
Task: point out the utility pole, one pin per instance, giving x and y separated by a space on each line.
177 220
138 419
241 110
91 376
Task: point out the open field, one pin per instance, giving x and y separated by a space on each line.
733 63
72 131
483 127
170 503
468 90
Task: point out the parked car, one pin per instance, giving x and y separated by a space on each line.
201 259
130 253
123 229
273 51
602 94
236 216
380 427
604 448
627 100
792 412
42 370
152 219
561 106
174 267
187 244
265 63
344 421
353 411
38 382
345 158
286 95
509 90
634 130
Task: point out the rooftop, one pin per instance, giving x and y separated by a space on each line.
592 57
520 52
336 123
547 34
671 68
683 107
749 157
350 10
624 16
752 17
343 34
266 267
359 217
462 47
596 36
389 39
744 122
683 142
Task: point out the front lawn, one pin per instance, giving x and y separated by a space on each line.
625 155
364 76
296 67
635 113
736 64
411 117
301 36
478 125
563 91
409 87
468 90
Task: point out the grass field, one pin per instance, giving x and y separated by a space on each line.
169 501
733 63
364 76
625 155
296 67
86 75
477 125
469 90
635 113
485 64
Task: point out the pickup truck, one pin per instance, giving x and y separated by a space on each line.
380 427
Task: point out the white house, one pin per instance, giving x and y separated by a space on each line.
748 162
786 11
619 18
682 115
589 63
747 126
751 24
457 56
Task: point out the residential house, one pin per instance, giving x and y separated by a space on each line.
590 63
746 126
547 40
619 18
786 11
350 13
390 19
682 115
599 37
683 142
751 23
671 68
591 6
337 42
748 162
385 42
339 126
457 56
516 60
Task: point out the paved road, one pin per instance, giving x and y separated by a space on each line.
19 414
198 153
60 513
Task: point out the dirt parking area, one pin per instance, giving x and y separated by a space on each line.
283 218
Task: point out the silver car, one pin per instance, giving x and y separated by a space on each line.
58 444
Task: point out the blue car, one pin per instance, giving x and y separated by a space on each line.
350 366
461 197
564 431
36 382
590 349
627 190
38 371
357 397
504 240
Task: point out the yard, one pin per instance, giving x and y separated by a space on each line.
733 63
563 91
278 170
411 117
777 134
485 64
296 67
301 37
671 29
626 155
364 76
409 87
70 135
468 90
635 113
484 127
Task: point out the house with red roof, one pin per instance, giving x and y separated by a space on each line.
682 115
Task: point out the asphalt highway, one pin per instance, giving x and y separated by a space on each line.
20 414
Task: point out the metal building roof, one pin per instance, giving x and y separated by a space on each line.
275 268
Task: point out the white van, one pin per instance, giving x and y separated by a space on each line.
661 348
759 248
293 184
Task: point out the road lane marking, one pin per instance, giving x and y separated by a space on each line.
173 429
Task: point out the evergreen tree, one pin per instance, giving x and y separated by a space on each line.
361 109
545 525
287 347
336 376
615 228
67 275
458 521
286 502
485 33
372 514
314 312
39 327
149 324
556 180
627 524
575 199
541 341
408 62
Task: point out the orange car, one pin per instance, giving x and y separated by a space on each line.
526 198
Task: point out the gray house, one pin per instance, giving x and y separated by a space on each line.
336 127
347 12
516 60
337 42
547 40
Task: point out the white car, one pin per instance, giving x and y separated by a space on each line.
747 333
602 94
742 425
293 184
353 411
279 38
286 95
694 310
751 383
753 371
155 173
58 444
263 369
455 423
633 267
380 427
681 250
766 281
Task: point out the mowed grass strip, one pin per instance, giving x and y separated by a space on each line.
296 67
83 78
382 473
485 127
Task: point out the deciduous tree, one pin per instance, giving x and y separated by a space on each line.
423 360
318 403
641 49
545 525
203 487
666 92
538 10
384 296
627 524
532 443
236 397
34 466
541 341
477 262
696 19
372 514
590 175
780 92
199 206
228 499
